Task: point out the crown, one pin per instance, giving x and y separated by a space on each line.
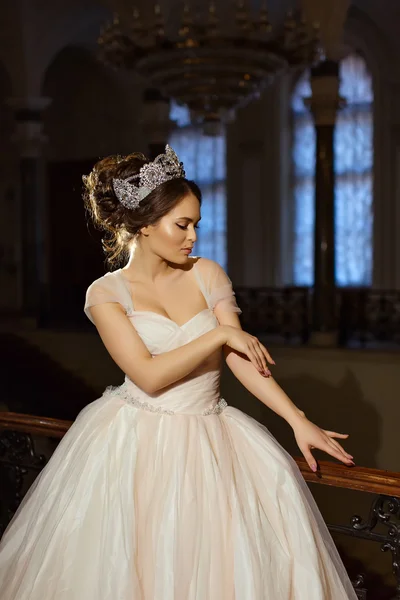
163 168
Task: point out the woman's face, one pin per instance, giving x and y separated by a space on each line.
175 234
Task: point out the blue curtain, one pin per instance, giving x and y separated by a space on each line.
353 148
204 159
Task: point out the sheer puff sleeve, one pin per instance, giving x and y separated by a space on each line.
105 290
218 286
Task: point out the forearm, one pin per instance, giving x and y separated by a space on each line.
169 367
265 389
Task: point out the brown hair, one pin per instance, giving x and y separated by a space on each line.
120 223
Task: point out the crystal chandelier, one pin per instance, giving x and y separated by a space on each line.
209 66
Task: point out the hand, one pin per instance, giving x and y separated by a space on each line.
247 344
309 436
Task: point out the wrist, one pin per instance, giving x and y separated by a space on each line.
297 417
222 333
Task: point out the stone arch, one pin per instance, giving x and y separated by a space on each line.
63 24
94 112
362 33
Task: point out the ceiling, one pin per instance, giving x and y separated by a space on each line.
33 32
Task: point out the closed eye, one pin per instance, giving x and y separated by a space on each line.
185 226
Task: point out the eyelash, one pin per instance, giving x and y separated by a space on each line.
185 226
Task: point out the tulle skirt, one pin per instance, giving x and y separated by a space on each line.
135 505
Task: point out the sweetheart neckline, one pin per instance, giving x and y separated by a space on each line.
152 312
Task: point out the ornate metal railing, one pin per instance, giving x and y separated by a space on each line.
369 316
18 458
280 312
364 316
384 510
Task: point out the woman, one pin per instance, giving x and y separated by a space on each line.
160 490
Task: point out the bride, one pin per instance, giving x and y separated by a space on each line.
161 490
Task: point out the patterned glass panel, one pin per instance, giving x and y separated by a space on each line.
353 147
303 154
354 175
204 159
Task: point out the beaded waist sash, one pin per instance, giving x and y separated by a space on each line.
123 393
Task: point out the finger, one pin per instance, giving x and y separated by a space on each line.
267 354
310 459
339 447
336 454
264 351
335 434
253 360
332 434
253 356
263 366
261 358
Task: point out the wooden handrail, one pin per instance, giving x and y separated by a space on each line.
363 479
45 426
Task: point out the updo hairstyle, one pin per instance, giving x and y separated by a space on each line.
122 224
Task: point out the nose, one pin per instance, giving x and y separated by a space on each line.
192 235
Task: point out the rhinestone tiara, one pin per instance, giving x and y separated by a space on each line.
163 168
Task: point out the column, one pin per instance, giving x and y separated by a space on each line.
324 104
156 122
30 139
330 16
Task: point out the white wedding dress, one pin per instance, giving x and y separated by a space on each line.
171 496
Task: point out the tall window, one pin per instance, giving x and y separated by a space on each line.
205 162
353 155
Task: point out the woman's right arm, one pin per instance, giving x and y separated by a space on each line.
151 374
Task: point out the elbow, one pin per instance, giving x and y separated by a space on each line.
148 384
150 379
145 380
149 388
154 384
148 376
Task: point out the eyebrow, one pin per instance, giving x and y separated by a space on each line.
189 219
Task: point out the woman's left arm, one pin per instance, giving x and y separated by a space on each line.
308 435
